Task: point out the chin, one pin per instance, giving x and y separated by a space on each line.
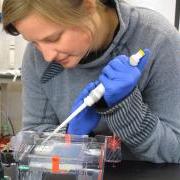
69 66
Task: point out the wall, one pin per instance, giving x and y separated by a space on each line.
8 42
165 7
7 60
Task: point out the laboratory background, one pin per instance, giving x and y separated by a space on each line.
11 54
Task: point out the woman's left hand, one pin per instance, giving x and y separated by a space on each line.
120 78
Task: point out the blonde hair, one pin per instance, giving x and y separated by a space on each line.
64 12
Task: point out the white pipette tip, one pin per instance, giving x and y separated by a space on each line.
65 122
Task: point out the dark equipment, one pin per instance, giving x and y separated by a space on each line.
1 171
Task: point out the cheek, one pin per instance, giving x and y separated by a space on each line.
85 38
83 42
77 40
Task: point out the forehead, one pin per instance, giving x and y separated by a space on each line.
34 26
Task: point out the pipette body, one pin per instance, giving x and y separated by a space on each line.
94 96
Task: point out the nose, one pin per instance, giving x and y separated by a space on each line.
49 53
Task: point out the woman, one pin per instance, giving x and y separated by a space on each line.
76 42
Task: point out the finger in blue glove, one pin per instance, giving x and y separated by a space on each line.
86 120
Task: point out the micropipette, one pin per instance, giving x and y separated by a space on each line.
94 96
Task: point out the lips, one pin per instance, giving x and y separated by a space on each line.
62 60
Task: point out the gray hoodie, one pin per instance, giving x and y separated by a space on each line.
148 120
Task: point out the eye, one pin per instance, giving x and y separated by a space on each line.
54 38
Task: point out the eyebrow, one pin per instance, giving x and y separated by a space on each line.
48 37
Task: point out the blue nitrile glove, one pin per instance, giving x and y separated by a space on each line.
86 120
120 78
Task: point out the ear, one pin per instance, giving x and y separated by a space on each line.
90 5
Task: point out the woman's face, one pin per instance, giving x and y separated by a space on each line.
64 45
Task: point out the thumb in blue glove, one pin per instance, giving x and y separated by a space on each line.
120 78
86 120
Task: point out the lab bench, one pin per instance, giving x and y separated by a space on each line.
127 170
